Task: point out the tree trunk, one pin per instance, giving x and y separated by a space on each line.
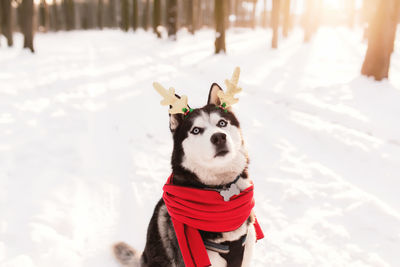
145 16
253 15
207 14
112 17
190 16
157 17
219 12
198 15
125 15
6 20
265 15
83 11
20 21
275 22
135 15
27 12
308 20
381 36
172 18
100 12
236 10
368 11
69 14
286 18
71 10
44 15
227 12
54 19
395 16
241 14
311 18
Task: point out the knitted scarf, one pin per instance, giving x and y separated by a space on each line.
193 209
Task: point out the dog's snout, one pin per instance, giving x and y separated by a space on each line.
218 139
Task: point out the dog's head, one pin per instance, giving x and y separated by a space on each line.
208 143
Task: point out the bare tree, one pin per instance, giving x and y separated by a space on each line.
381 36
112 17
87 12
69 14
44 15
27 21
311 18
172 18
207 14
83 13
368 11
308 27
124 15
264 17
190 16
286 18
145 16
198 16
54 16
219 12
100 14
253 14
72 15
275 22
157 17
135 15
6 19
237 9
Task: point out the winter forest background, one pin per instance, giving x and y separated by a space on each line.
85 146
379 19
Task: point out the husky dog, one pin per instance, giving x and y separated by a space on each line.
208 153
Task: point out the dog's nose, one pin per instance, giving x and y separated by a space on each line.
218 139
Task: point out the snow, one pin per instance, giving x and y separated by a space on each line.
85 145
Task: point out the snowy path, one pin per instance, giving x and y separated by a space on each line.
84 145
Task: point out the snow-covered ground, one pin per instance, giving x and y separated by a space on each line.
85 145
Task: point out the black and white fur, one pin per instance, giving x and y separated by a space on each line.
208 152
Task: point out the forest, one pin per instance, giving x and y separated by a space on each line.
164 18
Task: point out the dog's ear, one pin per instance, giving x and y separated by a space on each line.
213 95
174 121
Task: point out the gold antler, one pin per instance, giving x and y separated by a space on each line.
231 89
179 105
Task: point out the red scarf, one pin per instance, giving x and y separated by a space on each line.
193 209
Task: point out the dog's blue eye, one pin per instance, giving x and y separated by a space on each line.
222 123
196 130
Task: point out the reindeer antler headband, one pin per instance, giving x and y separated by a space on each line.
228 99
180 105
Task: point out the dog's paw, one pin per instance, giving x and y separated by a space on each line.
125 254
